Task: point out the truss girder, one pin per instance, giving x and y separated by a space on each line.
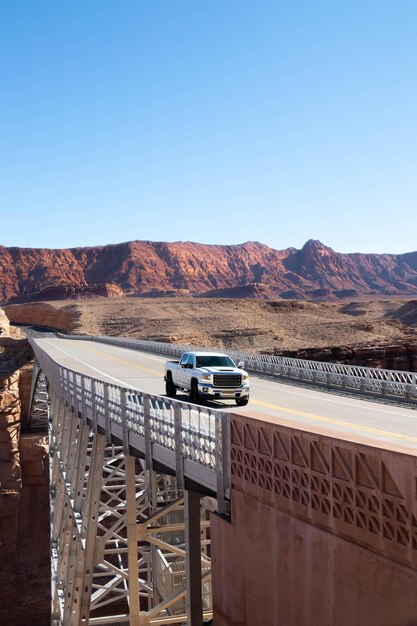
123 537
38 408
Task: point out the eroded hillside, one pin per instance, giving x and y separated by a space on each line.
252 269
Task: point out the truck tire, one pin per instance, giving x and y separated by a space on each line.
194 395
170 388
242 401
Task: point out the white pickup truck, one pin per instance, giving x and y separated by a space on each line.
207 375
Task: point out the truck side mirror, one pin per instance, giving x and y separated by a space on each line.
241 365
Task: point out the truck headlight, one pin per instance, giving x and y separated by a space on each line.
245 377
206 377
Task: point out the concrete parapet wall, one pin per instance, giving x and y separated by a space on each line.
322 532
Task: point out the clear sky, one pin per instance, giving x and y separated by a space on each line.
218 121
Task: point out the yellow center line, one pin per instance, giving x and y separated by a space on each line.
336 422
124 361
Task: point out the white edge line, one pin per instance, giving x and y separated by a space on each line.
117 380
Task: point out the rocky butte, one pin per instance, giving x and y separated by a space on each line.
252 269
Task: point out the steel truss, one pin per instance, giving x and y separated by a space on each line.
38 411
128 546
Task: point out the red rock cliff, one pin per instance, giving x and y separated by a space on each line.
143 267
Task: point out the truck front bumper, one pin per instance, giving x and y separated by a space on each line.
225 393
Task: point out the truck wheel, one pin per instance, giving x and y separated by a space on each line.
242 401
194 395
170 388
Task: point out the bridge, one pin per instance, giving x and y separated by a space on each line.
299 509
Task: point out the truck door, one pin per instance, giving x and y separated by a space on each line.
181 378
188 371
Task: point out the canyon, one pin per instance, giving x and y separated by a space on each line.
249 270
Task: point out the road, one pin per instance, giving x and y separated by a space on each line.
370 422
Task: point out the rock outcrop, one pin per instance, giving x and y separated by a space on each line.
407 314
44 315
150 268
398 357
24 507
253 290
70 292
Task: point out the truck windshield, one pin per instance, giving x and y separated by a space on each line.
214 361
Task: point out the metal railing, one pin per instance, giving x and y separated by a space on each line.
192 440
366 380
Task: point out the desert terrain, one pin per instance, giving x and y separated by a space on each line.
246 324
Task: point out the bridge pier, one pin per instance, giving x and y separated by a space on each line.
193 557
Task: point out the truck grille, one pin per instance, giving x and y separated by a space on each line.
227 380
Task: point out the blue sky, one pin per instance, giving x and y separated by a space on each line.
218 122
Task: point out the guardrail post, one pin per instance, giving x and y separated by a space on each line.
364 381
179 458
71 395
414 385
123 414
408 391
107 412
148 431
93 404
386 384
83 401
193 558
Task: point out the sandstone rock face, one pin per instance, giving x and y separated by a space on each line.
14 353
10 485
143 267
41 314
24 506
24 540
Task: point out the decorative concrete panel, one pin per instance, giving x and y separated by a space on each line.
363 494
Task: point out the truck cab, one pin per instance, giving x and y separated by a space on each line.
208 375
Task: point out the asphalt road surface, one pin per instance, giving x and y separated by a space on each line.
364 421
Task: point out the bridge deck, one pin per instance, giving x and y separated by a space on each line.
364 421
